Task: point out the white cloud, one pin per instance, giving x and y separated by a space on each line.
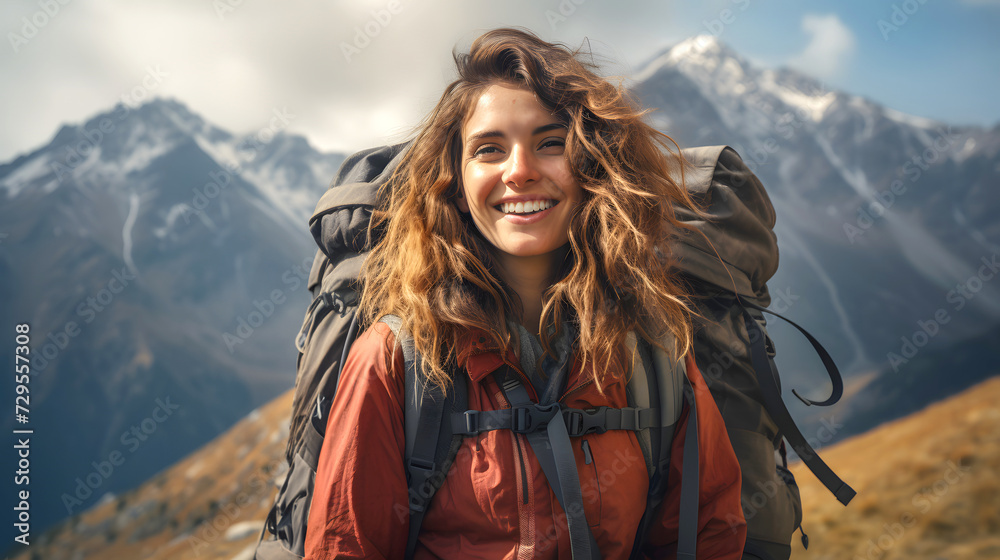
830 50
234 67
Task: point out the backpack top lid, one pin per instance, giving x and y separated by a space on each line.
741 228
340 222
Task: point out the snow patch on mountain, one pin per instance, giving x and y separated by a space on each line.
222 151
133 211
176 211
814 106
27 173
909 120
855 178
140 156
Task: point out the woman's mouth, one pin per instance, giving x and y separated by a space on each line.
529 207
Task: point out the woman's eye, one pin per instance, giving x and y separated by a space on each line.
553 143
486 150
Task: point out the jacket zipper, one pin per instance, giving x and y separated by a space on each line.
518 441
575 389
524 473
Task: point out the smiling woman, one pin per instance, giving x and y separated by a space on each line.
524 250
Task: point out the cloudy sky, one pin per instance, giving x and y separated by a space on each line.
359 73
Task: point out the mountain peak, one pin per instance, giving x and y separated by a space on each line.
701 51
701 44
167 116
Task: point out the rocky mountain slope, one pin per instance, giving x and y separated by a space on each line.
155 258
884 220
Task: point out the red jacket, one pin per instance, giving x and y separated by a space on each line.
495 501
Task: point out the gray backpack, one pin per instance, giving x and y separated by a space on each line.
731 294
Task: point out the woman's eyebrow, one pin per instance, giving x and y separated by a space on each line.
548 127
498 134
473 138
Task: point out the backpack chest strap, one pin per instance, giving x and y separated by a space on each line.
535 417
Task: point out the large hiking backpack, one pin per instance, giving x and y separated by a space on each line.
732 348
727 271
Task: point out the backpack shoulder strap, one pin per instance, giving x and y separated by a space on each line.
431 446
657 382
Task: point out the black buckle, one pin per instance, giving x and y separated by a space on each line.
471 422
583 422
634 416
527 419
574 421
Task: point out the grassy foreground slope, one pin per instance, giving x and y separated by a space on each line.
928 486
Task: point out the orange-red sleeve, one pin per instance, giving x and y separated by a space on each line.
721 526
360 507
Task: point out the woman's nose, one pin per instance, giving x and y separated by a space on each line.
522 168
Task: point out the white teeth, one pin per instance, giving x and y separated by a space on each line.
525 207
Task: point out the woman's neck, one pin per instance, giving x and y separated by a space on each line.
529 277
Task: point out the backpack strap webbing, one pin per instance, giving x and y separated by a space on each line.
687 526
524 419
767 377
554 452
430 446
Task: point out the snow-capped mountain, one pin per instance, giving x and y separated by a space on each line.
884 219
161 265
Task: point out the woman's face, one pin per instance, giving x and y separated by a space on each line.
516 180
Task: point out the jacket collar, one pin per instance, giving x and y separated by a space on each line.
481 356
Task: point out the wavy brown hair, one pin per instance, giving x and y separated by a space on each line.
433 268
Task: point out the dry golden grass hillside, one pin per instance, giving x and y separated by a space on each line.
208 506
928 487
